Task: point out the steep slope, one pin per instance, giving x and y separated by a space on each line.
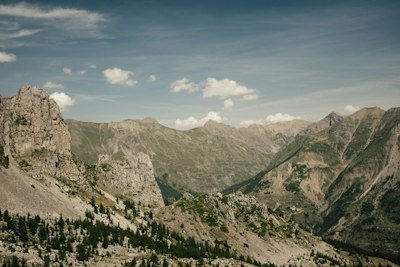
247 227
344 178
35 143
364 198
204 159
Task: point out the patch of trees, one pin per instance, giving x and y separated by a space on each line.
342 245
83 238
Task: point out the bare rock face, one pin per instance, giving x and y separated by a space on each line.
35 135
133 177
331 119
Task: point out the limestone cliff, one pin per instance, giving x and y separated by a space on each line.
34 134
133 177
35 138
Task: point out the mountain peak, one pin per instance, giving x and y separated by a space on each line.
326 122
333 117
371 111
26 88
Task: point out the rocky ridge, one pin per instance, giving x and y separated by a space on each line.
339 179
247 227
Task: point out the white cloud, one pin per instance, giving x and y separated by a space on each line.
93 66
280 117
65 18
51 86
250 97
224 88
349 109
116 76
247 123
64 101
152 78
192 122
67 71
228 103
82 72
184 84
7 57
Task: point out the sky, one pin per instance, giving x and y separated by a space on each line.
185 62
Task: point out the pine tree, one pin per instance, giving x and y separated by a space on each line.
81 254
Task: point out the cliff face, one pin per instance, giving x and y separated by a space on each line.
35 136
133 177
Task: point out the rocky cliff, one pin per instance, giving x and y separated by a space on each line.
132 177
35 136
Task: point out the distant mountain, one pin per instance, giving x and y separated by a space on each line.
204 159
343 179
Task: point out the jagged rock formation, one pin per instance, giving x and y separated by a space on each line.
204 159
35 142
34 134
133 177
344 178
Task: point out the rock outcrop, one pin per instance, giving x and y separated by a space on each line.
132 177
33 132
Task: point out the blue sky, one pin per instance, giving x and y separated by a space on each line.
184 62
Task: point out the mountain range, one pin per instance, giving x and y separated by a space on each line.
291 193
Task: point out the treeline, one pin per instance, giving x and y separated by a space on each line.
82 239
357 250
